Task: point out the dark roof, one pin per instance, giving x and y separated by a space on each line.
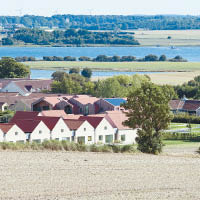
94 121
73 124
188 105
19 115
22 115
50 122
27 125
115 101
191 105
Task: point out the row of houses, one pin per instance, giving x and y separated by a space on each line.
99 129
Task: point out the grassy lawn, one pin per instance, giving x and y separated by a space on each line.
159 37
180 142
118 66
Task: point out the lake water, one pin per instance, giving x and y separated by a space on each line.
189 53
46 74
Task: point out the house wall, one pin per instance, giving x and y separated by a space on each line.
39 106
82 107
45 135
57 134
10 136
103 129
1 136
105 106
129 134
20 106
198 112
4 107
11 87
85 130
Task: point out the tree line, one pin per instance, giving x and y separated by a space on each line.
104 58
105 22
191 89
69 37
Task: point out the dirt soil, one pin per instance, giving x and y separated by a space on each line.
89 176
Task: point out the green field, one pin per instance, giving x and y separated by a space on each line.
159 37
118 66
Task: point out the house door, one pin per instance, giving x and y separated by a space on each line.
109 138
81 140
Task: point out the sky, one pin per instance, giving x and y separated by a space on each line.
98 7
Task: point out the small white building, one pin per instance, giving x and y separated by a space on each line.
61 131
35 130
1 136
12 133
82 131
104 133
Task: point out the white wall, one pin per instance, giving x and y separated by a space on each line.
85 130
104 128
198 112
130 135
44 135
15 134
1 136
56 133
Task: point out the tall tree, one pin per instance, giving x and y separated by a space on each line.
147 109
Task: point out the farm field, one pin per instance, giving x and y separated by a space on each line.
159 37
118 66
70 175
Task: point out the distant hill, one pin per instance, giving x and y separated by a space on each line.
104 22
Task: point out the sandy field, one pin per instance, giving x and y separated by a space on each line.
89 176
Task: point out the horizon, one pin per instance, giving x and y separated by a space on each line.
103 7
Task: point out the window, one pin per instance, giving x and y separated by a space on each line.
84 129
123 138
62 130
40 132
105 128
16 133
45 108
57 139
89 138
100 137
109 138
86 110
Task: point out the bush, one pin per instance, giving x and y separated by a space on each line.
82 147
185 118
106 148
116 148
53 145
128 149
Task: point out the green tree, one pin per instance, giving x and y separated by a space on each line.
58 76
163 58
9 68
7 41
147 109
74 70
86 72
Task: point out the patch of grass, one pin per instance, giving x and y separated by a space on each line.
55 145
180 142
118 66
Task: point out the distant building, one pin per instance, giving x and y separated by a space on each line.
25 86
192 107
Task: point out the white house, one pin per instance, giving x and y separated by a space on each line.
41 133
35 130
123 134
61 131
82 131
12 133
104 132
1 136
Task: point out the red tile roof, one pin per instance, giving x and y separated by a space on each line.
27 125
6 127
94 121
73 124
191 105
54 113
20 115
50 122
